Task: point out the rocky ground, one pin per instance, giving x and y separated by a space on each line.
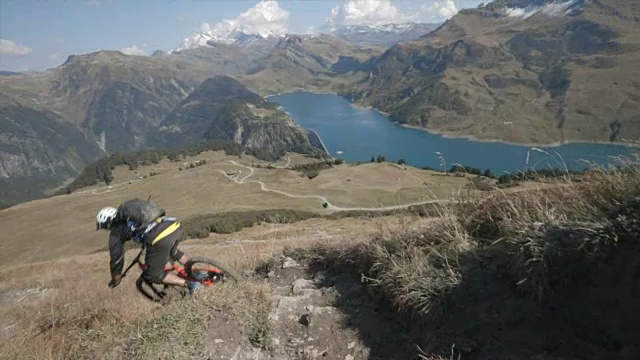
313 316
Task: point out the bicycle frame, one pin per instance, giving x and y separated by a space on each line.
179 271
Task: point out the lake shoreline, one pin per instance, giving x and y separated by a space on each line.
361 132
449 135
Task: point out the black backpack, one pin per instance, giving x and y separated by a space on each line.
140 211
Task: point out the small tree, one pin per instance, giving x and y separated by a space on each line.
402 162
488 173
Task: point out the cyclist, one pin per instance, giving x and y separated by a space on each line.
147 225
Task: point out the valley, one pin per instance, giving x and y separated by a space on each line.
459 79
382 188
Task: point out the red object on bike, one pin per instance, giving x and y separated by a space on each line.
182 273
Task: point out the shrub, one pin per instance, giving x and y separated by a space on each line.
312 174
225 223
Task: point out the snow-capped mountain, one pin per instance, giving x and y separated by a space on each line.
383 35
368 35
234 37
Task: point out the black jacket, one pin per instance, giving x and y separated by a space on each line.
141 212
119 234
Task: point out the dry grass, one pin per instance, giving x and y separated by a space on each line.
368 185
79 317
39 231
545 238
539 240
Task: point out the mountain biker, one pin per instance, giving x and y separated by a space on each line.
148 226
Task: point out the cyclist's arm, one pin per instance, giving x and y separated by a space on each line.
117 238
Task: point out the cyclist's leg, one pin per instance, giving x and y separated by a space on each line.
177 254
156 258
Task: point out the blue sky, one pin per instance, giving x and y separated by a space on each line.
39 34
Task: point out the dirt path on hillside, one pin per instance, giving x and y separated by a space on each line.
330 206
312 315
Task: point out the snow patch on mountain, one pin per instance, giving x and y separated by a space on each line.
556 8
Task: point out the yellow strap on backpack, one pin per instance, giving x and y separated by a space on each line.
166 232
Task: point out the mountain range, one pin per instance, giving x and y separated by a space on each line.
534 72
368 35
385 35
106 102
528 71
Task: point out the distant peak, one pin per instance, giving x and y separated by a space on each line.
391 27
290 40
264 20
92 56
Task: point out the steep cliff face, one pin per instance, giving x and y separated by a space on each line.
38 151
264 130
198 112
517 70
117 99
222 108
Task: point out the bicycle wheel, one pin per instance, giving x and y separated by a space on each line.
214 271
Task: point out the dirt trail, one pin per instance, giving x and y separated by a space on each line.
330 206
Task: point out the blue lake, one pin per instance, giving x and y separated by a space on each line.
363 133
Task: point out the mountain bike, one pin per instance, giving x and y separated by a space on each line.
204 270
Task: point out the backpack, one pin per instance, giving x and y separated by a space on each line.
139 211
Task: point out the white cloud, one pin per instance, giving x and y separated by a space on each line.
264 19
93 3
365 12
54 57
382 12
135 50
11 48
436 11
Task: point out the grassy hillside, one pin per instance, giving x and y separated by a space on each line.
202 190
551 274
548 274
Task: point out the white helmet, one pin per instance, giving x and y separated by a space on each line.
105 217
